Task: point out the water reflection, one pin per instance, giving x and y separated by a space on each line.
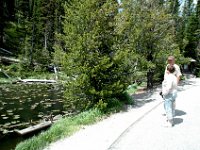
25 104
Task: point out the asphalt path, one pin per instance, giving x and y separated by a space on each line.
151 132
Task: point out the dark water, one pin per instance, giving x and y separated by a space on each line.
25 104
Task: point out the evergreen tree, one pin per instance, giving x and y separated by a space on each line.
174 6
98 69
197 33
190 29
45 22
28 28
150 32
7 14
198 27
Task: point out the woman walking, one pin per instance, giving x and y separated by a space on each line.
169 91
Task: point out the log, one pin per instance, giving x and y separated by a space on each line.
38 80
9 60
34 128
39 126
6 51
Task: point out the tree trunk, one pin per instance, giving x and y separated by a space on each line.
32 44
45 40
150 74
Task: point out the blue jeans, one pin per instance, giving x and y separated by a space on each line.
169 101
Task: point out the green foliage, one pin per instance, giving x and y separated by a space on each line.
98 67
12 70
143 28
147 28
190 29
31 30
114 105
14 36
59 56
174 6
101 105
197 72
132 88
17 71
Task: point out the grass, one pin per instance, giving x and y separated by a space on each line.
132 89
63 128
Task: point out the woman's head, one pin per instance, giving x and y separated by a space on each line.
171 60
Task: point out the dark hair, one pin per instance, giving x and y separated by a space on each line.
171 68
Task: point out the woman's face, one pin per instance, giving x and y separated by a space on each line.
171 61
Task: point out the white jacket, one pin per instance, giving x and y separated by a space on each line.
169 85
177 71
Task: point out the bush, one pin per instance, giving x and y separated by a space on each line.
12 70
197 71
101 105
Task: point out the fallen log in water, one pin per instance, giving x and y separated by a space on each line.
39 126
34 128
37 80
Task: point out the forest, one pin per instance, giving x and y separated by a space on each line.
101 46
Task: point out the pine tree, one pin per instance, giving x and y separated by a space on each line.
42 23
174 6
7 15
197 33
149 28
28 28
45 23
98 70
198 27
190 29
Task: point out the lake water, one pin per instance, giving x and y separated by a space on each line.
25 104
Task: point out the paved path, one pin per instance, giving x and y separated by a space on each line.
151 134
142 127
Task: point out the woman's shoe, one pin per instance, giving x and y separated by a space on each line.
171 123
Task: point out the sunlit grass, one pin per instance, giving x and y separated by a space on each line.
132 89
